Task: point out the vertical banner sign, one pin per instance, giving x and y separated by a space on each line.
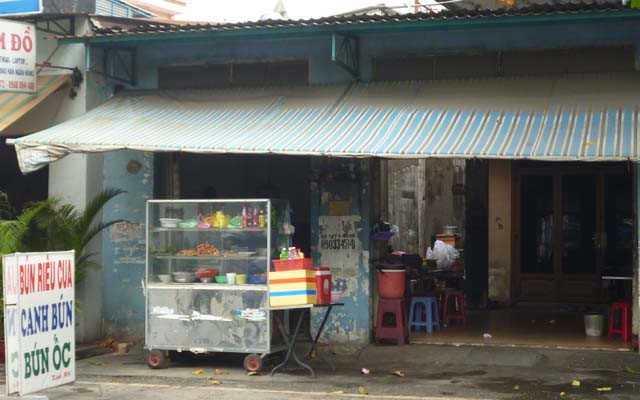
39 289
17 56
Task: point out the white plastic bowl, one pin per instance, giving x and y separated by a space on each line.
169 222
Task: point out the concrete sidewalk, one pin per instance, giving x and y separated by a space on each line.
430 372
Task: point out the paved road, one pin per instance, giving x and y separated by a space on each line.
431 372
140 391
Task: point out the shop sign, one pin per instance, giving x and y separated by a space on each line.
17 56
15 7
39 293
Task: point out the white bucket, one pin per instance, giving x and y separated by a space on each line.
593 324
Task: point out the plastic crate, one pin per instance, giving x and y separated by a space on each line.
293 264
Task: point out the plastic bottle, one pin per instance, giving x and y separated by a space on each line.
292 253
262 221
256 217
244 217
284 254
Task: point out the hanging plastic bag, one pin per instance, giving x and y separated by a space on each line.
444 254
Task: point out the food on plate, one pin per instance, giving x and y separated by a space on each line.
187 252
207 249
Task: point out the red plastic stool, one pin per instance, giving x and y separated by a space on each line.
624 329
391 321
453 307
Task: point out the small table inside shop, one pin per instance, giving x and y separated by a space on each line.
290 338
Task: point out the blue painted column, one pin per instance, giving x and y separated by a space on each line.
341 199
123 246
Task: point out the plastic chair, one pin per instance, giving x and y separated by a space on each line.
424 313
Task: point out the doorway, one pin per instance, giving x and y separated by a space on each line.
573 223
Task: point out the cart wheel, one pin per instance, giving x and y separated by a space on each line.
158 359
253 363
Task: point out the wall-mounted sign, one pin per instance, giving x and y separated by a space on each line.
15 7
17 56
39 320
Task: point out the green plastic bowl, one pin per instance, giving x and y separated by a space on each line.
221 279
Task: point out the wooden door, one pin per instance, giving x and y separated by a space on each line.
561 228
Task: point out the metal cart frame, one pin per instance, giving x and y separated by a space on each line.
165 300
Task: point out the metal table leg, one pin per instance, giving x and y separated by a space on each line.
291 343
314 343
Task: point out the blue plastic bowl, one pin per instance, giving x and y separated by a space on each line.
257 280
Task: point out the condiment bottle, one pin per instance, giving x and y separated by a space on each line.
262 221
244 217
256 217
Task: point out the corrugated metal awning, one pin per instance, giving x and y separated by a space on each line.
14 105
583 117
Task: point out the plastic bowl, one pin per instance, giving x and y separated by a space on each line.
169 222
184 277
241 279
221 279
257 279
164 278
206 273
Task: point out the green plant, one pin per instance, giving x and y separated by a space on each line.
50 225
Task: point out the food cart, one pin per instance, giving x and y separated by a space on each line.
206 277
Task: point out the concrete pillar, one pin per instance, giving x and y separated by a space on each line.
341 200
123 246
500 238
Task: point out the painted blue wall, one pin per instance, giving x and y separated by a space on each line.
341 199
123 246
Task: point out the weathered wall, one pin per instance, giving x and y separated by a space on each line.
341 198
406 204
124 245
500 236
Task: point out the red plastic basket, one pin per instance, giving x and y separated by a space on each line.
292 264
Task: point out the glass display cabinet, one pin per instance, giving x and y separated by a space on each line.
206 276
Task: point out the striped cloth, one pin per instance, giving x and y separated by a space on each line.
14 105
582 117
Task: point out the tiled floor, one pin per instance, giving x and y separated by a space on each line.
523 327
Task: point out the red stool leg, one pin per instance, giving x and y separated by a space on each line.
400 330
612 316
626 324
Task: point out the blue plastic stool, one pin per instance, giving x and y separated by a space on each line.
428 306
